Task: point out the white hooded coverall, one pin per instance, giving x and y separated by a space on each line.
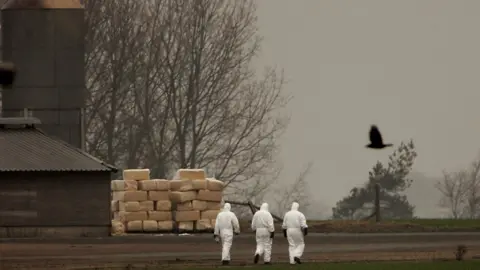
262 223
225 225
294 222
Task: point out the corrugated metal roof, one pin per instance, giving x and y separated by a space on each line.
29 149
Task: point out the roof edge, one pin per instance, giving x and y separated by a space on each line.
42 4
111 168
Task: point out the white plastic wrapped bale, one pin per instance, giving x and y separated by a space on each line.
118 228
163 205
187 216
162 184
180 197
114 206
131 216
199 205
117 185
209 214
185 226
199 184
165 226
129 206
150 226
131 185
186 206
214 184
189 174
135 196
210 196
160 215
118 196
181 185
214 206
203 225
147 206
136 174
158 195
147 185
135 226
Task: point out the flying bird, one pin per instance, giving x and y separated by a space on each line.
7 74
376 141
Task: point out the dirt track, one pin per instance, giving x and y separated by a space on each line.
201 249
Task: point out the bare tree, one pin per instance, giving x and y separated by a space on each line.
171 85
461 191
297 191
472 207
454 188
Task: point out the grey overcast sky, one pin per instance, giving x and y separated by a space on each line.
410 66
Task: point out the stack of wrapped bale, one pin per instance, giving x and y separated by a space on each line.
141 204
195 204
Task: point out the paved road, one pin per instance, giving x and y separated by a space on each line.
36 254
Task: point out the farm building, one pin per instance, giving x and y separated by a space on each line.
49 187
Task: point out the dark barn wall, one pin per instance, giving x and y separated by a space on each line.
47 46
54 203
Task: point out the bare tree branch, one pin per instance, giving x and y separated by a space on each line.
454 187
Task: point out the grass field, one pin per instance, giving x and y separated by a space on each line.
388 226
453 265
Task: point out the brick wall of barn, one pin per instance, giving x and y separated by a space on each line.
54 204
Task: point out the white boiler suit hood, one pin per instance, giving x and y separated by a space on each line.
225 225
262 223
294 221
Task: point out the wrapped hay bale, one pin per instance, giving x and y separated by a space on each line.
118 196
147 206
190 174
147 185
162 184
210 196
131 185
160 215
203 225
164 226
150 225
181 185
134 196
131 216
136 174
117 185
135 226
117 228
214 184
180 197
185 226
199 205
158 195
114 206
209 214
129 206
199 184
187 216
163 205
186 206
214 206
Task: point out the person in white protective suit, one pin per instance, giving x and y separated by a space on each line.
226 225
262 225
294 229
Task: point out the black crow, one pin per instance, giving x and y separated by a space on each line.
7 74
376 141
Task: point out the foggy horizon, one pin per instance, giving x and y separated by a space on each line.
409 67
